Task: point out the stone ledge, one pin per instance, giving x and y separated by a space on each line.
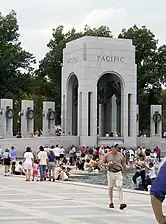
103 187
92 186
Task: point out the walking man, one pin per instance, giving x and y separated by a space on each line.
114 161
158 192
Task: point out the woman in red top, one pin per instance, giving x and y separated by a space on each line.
83 152
97 153
158 152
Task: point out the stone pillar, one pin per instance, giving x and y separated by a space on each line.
27 117
6 118
79 112
156 121
63 113
107 114
133 121
84 116
86 139
68 112
124 115
93 113
118 116
48 118
74 118
114 114
101 119
137 119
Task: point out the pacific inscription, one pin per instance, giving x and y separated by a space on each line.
72 60
110 59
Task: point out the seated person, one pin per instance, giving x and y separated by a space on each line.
60 173
63 175
78 162
87 166
93 163
81 165
64 161
19 169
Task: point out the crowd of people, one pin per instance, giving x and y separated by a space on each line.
141 161
52 163
47 162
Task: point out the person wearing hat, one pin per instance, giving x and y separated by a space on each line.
114 161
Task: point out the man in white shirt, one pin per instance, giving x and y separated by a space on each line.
61 152
46 148
57 153
43 158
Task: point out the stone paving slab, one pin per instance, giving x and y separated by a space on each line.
67 203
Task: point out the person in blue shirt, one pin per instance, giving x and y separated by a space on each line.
13 153
158 192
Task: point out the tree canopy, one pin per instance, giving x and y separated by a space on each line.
15 63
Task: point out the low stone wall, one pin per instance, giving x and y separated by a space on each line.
67 141
109 140
34 143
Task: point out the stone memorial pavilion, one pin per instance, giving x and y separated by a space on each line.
99 89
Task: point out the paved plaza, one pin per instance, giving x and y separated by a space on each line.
66 203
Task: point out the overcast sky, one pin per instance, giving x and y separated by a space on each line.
37 18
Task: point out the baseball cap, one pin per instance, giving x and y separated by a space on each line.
113 144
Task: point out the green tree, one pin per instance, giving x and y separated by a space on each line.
15 63
150 69
50 66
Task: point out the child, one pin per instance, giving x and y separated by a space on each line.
19 169
35 170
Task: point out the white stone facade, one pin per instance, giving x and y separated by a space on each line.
89 58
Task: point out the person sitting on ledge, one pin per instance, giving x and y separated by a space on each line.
158 192
60 173
87 166
19 169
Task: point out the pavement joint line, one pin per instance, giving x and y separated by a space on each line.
17 218
100 216
36 213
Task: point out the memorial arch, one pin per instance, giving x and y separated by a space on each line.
109 93
99 90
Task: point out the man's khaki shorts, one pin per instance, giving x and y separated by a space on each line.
115 179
